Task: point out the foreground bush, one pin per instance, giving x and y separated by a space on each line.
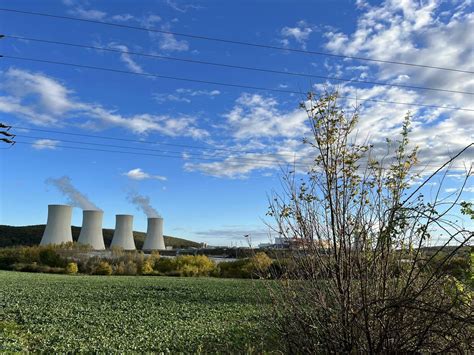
362 278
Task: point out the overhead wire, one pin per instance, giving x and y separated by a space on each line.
258 162
261 162
225 65
239 151
225 84
219 155
235 42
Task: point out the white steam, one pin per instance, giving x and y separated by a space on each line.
75 197
143 203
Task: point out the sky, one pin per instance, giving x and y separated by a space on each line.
217 194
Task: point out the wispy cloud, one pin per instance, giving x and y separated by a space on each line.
43 100
88 14
139 174
45 144
182 7
126 58
169 43
299 33
185 95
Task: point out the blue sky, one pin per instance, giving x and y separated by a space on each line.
220 198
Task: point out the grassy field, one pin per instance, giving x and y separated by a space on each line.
51 313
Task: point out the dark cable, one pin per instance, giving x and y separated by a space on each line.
156 56
225 84
222 40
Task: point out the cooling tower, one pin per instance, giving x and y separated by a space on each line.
91 231
58 227
154 235
123 235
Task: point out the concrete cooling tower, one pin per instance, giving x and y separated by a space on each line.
91 231
123 235
58 227
154 235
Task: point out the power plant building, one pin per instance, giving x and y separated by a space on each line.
91 231
58 226
123 234
154 235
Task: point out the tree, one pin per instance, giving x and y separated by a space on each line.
364 279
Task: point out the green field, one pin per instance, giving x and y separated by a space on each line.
59 313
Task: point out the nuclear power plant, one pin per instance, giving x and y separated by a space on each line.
154 235
58 226
123 235
58 230
91 231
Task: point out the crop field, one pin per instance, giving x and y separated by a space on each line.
59 313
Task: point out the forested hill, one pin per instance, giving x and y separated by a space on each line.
31 235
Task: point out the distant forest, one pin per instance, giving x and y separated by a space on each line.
31 235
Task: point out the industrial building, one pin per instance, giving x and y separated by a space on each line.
58 226
154 235
58 230
123 235
91 231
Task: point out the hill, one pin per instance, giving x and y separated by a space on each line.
31 235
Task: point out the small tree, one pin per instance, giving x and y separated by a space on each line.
363 279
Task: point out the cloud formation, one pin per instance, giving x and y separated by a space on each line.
139 174
45 144
299 33
185 95
404 31
43 100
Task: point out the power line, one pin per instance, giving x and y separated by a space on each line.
146 142
223 40
258 162
225 84
294 156
224 65
161 151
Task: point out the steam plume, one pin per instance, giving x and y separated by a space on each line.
75 197
143 203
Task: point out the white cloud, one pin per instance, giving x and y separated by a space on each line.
167 41
183 7
126 58
51 94
400 31
257 116
150 20
42 100
184 95
44 144
89 14
414 32
122 17
300 33
139 174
